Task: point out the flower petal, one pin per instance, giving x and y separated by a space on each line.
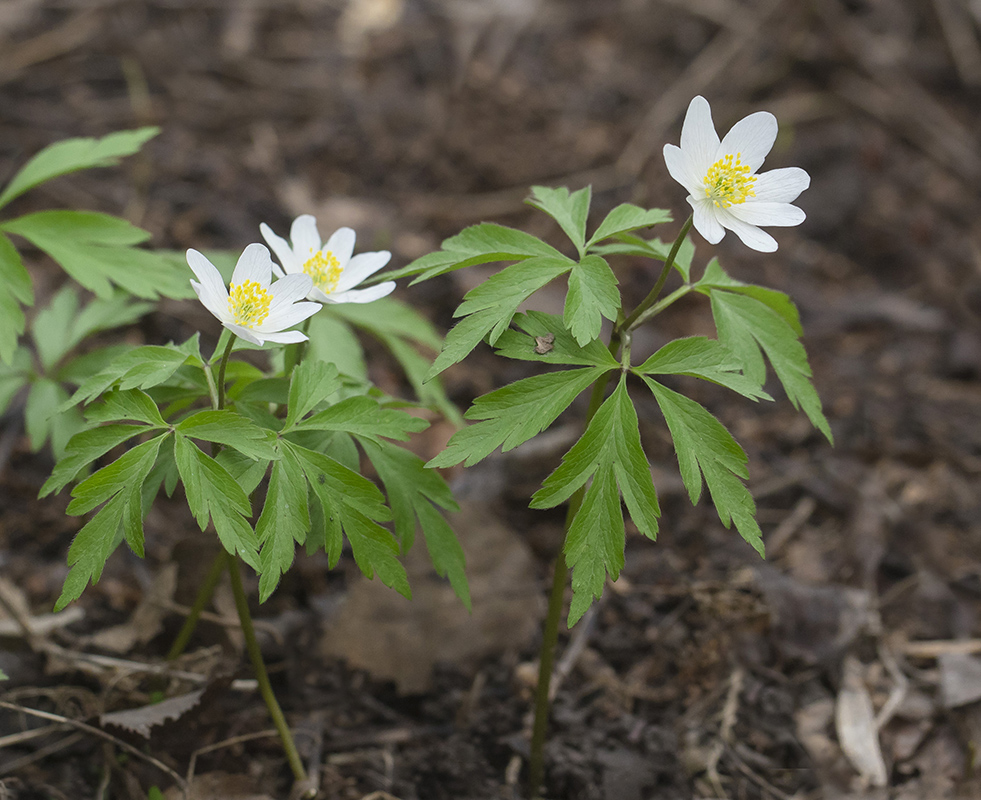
363 295
305 237
211 290
243 333
752 138
288 290
679 167
750 235
779 214
781 185
282 250
699 141
254 264
341 244
288 317
360 267
706 221
285 337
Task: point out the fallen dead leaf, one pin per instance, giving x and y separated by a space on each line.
219 786
960 679
855 725
377 630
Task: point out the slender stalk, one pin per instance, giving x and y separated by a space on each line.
620 339
550 632
647 302
200 601
660 305
259 668
221 371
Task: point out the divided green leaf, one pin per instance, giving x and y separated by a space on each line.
705 447
514 414
592 294
626 218
544 337
609 452
284 521
702 358
569 210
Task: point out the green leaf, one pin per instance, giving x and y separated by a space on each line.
129 404
492 304
702 358
514 414
72 155
248 472
746 325
363 416
387 315
90 550
569 210
625 218
84 448
310 384
140 368
333 342
630 245
592 294
124 474
540 331
716 278
478 244
212 492
15 289
416 367
705 447
410 486
96 250
376 551
611 453
14 376
43 419
284 521
445 551
228 428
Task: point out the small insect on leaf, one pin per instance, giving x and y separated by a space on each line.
544 344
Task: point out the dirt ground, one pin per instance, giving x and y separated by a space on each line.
845 665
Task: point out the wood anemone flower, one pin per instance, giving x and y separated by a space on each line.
331 266
724 188
252 307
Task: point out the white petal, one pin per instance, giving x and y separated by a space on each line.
699 141
750 235
779 214
360 267
254 264
706 222
341 244
285 337
781 185
282 250
305 237
752 138
243 333
363 295
288 290
679 168
211 290
288 317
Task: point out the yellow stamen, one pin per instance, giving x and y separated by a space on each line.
728 182
325 270
248 303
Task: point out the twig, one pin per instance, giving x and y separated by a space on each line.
40 753
245 737
85 727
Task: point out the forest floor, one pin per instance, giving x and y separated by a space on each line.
704 671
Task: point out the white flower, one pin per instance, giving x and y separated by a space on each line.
251 307
724 189
334 271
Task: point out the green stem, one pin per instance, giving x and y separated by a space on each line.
659 306
204 595
259 668
550 632
633 320
221 372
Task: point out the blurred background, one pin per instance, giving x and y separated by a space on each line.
704 673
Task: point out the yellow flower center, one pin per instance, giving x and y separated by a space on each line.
728 182
248 303
325 270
